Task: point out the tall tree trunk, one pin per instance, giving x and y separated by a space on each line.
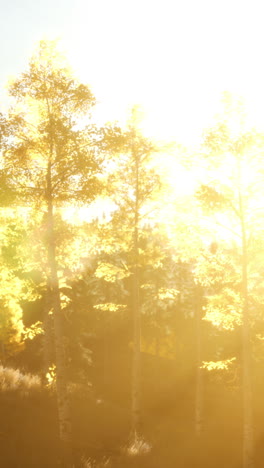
156 327
48 338
105 362
136 360
106 347
199 384
65 428
248 434
136 363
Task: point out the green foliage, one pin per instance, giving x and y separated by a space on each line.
49 77
224 310
211 199
218 365
7 194
111 272
110 307
50 130
219 269
17 286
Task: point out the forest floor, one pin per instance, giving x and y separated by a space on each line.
28 428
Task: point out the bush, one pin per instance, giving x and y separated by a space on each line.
13 380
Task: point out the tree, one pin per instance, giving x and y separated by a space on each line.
134 188
51 158
234 199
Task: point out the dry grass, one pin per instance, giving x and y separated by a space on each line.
137 446
13 380
89 463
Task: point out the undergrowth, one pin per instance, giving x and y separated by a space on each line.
13 380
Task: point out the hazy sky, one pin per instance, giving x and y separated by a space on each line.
173 57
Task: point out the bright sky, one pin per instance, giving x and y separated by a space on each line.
173 57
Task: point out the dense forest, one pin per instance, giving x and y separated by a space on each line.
132 281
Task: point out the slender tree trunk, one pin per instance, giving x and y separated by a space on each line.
157 343
199 384
3 351
65 429
136 363
105 361
156 329
199 397
63 403
106 347
48 338
248 433
136 360
179 313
